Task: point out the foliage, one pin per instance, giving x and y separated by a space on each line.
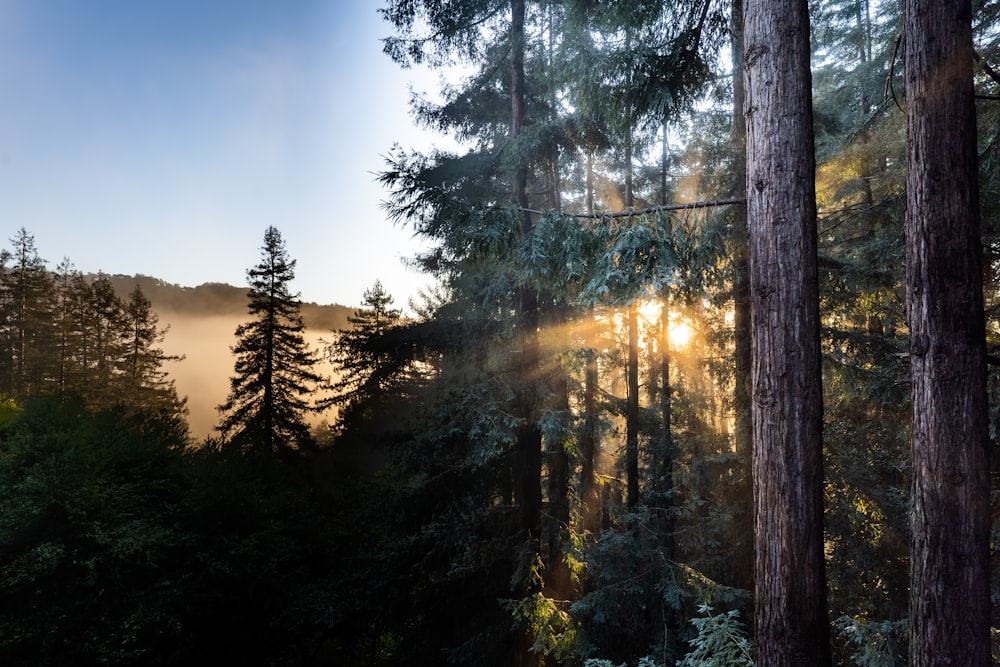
60 331
721 641
122 546
875 644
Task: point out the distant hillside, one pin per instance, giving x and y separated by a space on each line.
212 299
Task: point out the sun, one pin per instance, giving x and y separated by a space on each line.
680 334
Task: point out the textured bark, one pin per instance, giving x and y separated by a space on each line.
790 613
949 568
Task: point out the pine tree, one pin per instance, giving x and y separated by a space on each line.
29 288
362 367
104 342
267 402
147 386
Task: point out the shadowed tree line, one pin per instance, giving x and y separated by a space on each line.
64 333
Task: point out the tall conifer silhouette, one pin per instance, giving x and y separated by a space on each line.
274 369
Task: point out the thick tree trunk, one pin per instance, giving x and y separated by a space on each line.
790 613
527 459
949 562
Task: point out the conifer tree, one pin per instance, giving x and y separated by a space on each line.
274 369
147 386
29 289
104 342
359 362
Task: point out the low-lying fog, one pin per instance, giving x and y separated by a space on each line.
203 376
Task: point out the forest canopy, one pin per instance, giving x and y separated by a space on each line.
645 417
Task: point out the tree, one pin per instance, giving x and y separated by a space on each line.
29 288
105 341
147 386
364 370
790 608
949 559
266 406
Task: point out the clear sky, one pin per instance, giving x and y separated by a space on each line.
162 137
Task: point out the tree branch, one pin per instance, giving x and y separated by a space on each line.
732 201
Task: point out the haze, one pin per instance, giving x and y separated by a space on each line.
203 376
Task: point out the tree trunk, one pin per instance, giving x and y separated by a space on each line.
632 411
588 442
632 372
949 561
665 460
527 466
743 561
790 613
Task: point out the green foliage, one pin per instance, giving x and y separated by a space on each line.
549 622
874 643
122 546
9 411
721 641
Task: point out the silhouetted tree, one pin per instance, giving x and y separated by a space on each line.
147 386
103 322
358 359
267 402
29 287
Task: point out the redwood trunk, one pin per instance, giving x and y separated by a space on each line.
949 562
790 613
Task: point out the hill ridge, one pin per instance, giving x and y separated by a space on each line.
215 299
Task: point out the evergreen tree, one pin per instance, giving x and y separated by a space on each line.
29 288
147 386
361 365
267 401
105 342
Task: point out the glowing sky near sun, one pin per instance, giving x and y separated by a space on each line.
163 136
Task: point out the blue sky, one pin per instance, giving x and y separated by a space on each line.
163 136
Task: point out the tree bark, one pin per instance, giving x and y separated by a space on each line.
743 563
790 613
949 562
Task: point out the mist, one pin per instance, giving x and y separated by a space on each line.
203 375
